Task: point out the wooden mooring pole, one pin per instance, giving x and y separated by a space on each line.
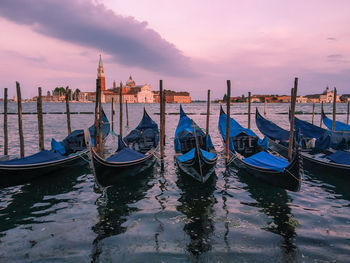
313 113
127 113
121 110
100 142
113 112
291 131
249 105
39 106
98 87
67 110
161 135
321 114
228 121
347 114
334 108
5 123
265 108
208 112
20 125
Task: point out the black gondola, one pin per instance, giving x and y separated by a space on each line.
252 155
195 152
72 151
135 154
317 144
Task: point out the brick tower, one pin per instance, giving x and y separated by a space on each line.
101 75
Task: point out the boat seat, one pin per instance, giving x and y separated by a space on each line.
246 145
148 140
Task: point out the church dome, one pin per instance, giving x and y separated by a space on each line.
130 82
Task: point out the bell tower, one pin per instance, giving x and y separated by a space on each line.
101 74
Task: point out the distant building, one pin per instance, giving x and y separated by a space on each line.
173 96
326 97
101 75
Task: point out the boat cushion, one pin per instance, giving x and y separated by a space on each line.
340 157
190 155
126 155
40 157
266 160
57 147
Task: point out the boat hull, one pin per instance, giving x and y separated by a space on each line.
11 175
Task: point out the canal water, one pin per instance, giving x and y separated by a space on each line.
163 216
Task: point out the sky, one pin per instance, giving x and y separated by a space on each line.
261 46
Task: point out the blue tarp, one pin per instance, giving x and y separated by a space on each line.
270 129
236 129
190 155
340 157
339 126
126 155
266 160
147 122
40 157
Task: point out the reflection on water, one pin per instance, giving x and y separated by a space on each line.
273 202
197 202
113 208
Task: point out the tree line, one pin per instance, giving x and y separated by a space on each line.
61 91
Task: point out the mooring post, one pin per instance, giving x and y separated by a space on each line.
98 87
5 123
228 121
20 126
127 113
334 108
113 112
39 107
347 114
161 119
100 142
208 112
291 131
265 108
321 114
249 105
121 110
313 113
67 110
164 114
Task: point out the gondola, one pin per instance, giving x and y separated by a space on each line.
72 151
251 154
135 154
317 145
339 126
195 152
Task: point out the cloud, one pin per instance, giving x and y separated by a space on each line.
339 58
129 42
331 39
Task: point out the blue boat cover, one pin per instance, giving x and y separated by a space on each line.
190 155
339 126
270 129
147 122
126 155
324 138
340 157
236 129
266 160
57 147
40 157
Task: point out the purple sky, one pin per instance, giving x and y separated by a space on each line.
192 45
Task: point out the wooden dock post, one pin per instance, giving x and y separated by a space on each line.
121 110
321 114
347 114
113 112
98 87
265 108
313 113
334 108
291 131
5 123
67 110
228 121
249 105
100 139
39 107
127 113
208 112
20 126
161 135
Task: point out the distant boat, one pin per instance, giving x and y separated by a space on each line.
317 144
251 154
195 152
72 151
339 126
135 154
